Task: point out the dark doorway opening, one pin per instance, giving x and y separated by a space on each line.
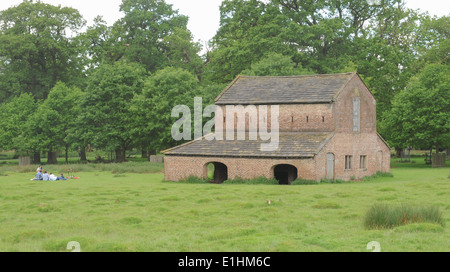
217 172
285 174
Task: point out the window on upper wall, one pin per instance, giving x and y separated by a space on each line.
363 162
348 162
356 114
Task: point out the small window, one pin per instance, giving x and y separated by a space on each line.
307 119
292 119
363 162
323 119
348 162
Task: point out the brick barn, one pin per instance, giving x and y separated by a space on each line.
327 130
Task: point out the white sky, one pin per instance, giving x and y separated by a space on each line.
203 14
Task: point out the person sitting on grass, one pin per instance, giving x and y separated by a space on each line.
45 176
52 177
38 176
61 177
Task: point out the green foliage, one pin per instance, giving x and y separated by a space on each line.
161 92
99 44
382 216
50 124
194 180
275 64
420 114
36 50
107 120
248 31
391 47
156 36
13 117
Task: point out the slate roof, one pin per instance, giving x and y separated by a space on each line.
291 145
255 90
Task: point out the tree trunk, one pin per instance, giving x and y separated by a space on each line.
144 153
398 152
120 155
83 154
67 154
52 157
36 157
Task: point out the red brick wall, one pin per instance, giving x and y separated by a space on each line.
346 142
354 144
343 107
176 168
310 117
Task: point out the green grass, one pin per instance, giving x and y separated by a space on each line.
130 208
386 216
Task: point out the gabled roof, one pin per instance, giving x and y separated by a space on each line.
306 89
291 145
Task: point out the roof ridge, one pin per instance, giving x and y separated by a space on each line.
296 89
295 76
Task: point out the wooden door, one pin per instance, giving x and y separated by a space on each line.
330 166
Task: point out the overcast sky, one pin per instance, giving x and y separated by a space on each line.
203 14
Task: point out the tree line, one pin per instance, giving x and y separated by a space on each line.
64 86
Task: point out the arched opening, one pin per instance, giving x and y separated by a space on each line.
216 172
285 173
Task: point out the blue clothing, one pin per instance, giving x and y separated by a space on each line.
39 176
45 177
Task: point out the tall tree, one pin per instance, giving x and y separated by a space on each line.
163 91
13 118
420 114
155 35
53 120
106 120
37 48
248 31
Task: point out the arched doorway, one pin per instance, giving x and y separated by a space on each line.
216 172
285 173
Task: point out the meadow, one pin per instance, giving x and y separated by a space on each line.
129 207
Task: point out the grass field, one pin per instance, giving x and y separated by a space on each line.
111 209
